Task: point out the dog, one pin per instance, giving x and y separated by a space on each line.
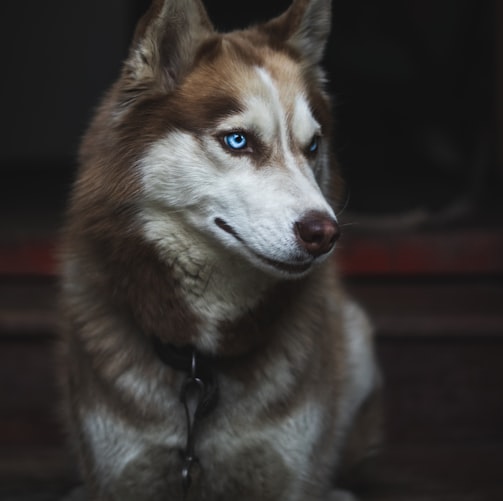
209 351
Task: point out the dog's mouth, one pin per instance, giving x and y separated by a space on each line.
292 268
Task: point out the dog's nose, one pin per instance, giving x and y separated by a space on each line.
317 233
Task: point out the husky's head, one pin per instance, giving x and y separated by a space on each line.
231 134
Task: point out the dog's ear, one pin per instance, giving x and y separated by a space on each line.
165 43
305 26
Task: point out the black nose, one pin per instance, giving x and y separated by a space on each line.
317 233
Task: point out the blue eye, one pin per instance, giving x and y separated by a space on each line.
236 141
313 147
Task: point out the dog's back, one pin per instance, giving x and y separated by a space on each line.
209 350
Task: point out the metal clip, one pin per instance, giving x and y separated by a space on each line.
192 395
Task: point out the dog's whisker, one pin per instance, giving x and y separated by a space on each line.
346 203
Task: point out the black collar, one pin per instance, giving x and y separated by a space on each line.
188 360
180 358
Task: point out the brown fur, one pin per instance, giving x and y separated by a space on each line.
119 292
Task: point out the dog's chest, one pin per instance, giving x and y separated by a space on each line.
291 438
236 445
271 457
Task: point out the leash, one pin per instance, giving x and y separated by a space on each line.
199 396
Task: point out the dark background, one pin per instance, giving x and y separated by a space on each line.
418 100
413 83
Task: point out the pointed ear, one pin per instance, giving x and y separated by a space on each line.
165 43
305 26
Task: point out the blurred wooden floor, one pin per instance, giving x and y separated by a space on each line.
440 343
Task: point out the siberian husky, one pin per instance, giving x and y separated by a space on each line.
209 352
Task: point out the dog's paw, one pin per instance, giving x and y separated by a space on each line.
340 495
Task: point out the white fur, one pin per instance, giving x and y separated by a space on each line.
363 374
113 445
145 390
292 438
188 183
276 112
297 436
361 360
304 125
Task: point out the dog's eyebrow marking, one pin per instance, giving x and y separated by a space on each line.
256 117
304 125
276 110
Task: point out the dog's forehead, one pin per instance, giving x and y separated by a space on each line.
272 92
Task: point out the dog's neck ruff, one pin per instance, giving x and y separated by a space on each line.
199 396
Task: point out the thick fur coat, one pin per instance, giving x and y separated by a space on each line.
203 217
